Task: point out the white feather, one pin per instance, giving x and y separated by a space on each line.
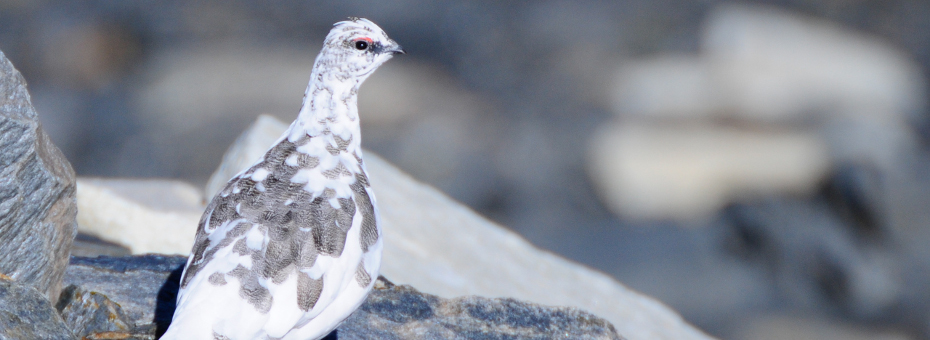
214 302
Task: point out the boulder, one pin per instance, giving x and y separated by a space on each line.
147 216
401 312
25 314
37 193
686 172
666 87
146 288
92 315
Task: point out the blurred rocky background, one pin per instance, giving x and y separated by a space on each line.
760 166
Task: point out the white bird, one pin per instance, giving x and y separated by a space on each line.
292 245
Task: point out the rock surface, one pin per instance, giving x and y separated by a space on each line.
146 287
648 170
91 246
92 315
401 312
27 315
148 216
37 192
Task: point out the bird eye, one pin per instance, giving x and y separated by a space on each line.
361 45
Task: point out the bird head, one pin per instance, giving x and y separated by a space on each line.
354 49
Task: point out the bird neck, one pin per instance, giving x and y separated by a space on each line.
330 110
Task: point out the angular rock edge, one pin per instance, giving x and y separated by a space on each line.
38 203
26 314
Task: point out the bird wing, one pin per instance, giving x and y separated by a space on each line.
280 244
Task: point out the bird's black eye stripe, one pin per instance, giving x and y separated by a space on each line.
361 45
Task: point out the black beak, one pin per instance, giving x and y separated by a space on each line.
389 46
394 49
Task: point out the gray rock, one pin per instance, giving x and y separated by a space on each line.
92 315
817 259
37 193
401 312
26 314
145 287
91 246
139 293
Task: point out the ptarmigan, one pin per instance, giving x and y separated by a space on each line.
292 245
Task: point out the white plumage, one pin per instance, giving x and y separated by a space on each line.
292 245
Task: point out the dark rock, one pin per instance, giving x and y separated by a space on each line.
38 205
26 314
91 246
145 287
401 312
92 315
819 258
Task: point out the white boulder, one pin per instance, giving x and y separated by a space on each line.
145 215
